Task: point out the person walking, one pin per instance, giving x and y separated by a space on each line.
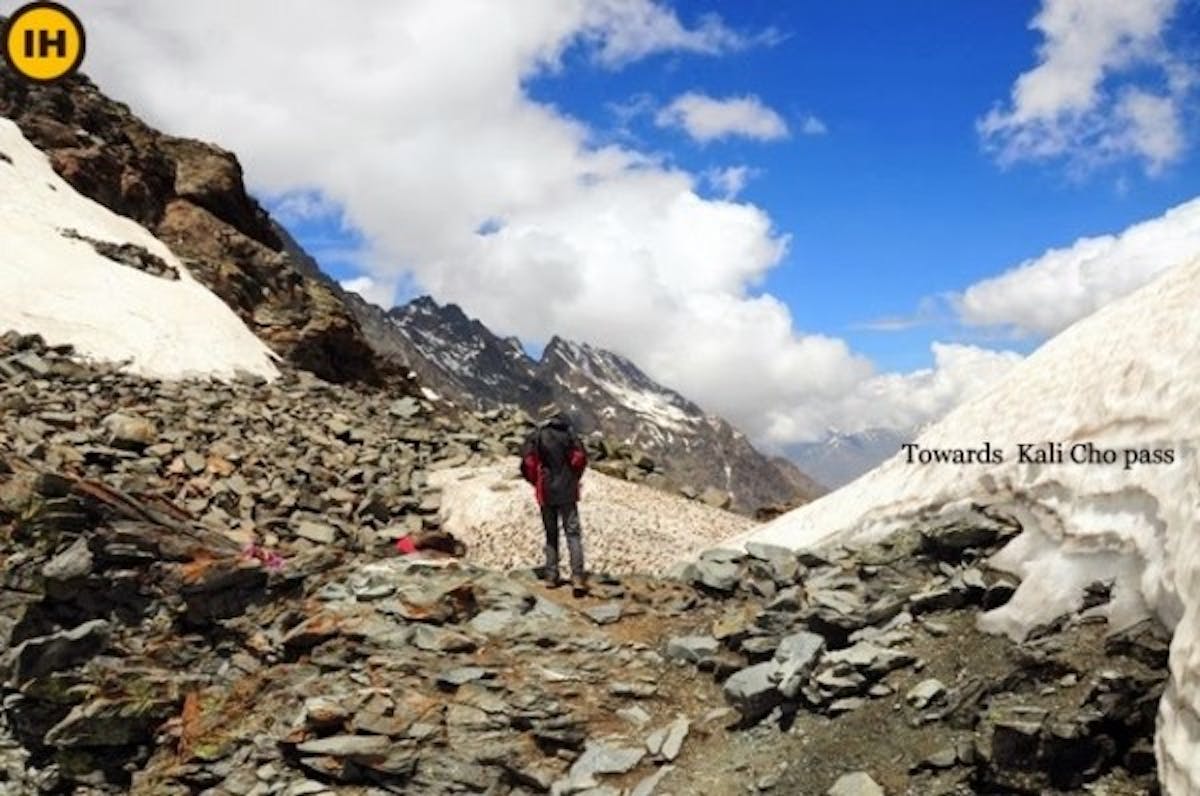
553 460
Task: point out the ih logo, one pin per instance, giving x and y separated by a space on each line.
44 42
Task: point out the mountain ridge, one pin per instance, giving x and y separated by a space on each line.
464 361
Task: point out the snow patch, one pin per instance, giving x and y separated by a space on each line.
1126 377
62 289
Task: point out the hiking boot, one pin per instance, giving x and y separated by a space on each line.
552 580
579 586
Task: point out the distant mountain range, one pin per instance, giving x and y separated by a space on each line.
465 362
462 361
841 457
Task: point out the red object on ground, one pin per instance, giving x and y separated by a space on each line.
405 545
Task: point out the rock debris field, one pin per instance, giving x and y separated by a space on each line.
199 595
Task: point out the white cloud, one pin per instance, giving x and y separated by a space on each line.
910 400
706 118
730 180
626 30
1106 87
811 125
378 293
418 126
1044 295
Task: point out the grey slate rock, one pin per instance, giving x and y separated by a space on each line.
753 690
677 732
692 649
602 758
797 656
39 656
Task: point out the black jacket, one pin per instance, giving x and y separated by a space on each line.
553 460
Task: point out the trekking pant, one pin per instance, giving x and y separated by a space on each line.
569 514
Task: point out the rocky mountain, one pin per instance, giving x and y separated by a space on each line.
191 196
464 361
840 457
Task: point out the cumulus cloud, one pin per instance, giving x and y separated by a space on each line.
1046 294
1106 87
462 183
910 400
706 118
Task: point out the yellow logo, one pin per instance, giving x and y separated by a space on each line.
44 42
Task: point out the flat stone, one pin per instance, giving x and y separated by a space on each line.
692 649
72 563
942 759
42 655
346 746
871 659
601 758
454 678
677 732
797 656
654 741
316 532
493 621
30 363
926 693
716 575
605 613
857 784
634 690
783 562
437 639
649 785
845 705
634 714
130 432
717 498
322 712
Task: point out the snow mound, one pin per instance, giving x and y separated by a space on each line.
1125 378
626 527
60 287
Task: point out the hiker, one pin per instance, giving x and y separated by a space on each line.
553 460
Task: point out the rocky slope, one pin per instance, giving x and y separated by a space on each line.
463 360
191 196
198 595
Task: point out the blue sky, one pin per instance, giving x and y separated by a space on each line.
553 168
898 200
